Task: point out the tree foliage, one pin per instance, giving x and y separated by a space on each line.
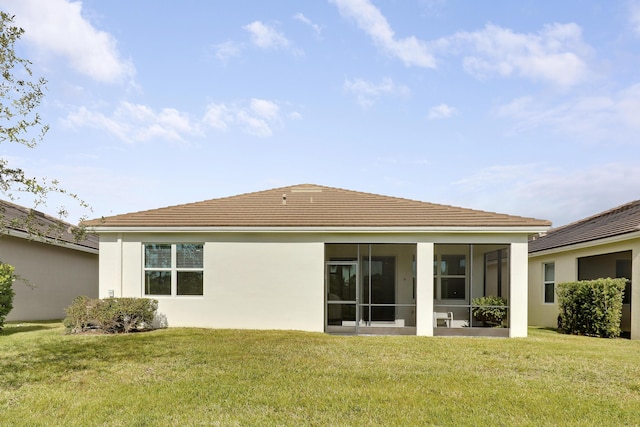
20 95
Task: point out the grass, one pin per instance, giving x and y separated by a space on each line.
229 377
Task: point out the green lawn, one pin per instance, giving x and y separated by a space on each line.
228 377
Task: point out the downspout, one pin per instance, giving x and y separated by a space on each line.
120 263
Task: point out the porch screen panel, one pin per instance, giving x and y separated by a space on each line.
379 276
453 276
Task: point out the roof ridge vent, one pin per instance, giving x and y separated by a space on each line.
306 189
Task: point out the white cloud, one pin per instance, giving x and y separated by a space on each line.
442 111
58 27
634 16
136 123
568 195
218 116
410 50
315 27
227 50
257 117
266 37
368 93
139 123
592 118
254 125
263 108
83 117
555 54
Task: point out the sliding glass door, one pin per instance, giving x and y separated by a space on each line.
370 288
378 289
342 292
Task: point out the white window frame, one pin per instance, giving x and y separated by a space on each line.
546 282
174 269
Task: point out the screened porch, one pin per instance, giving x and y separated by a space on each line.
372 289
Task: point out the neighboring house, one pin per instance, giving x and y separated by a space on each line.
603 245
57 267
316 258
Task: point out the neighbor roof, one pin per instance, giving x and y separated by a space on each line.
614 222
32 223
310 205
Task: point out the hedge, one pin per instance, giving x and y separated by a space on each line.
110 315
591 307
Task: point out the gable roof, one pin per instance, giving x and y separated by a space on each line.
614 222
24 222
310 205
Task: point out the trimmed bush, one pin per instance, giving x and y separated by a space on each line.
78 315
591 307
6 291
110 315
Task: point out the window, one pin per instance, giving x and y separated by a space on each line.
173 269
450 277
549 282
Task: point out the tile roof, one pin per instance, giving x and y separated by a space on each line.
614 222
37 224
310 205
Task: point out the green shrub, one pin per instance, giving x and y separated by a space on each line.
79 315
110 315
6 291
591 307
491 310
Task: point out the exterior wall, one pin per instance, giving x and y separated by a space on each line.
635 296
518 290
424 289
566 270
276 281
254 284
58 275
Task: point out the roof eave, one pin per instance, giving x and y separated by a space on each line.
50 241
524 229
588 244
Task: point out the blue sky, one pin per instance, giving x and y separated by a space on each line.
522 107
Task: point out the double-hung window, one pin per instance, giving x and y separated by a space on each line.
173 269
549 272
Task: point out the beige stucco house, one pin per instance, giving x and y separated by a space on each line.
57 266
604 245
317 258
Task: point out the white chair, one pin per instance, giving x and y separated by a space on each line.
447 317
